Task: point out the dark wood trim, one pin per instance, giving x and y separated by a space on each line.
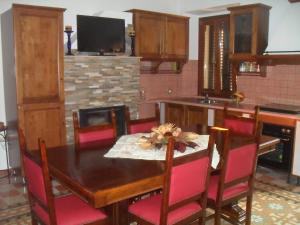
38 7
155 13
247 7
292 59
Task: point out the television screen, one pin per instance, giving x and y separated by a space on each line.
100 34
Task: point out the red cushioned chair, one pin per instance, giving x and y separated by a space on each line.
235 180
141 125
105 133
239 125
47 209
184 193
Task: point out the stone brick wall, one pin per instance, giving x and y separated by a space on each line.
100 81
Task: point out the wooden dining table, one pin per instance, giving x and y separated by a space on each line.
110 182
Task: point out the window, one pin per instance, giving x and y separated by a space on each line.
215 72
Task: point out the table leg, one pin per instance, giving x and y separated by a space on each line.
118 212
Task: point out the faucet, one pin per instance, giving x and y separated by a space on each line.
206 99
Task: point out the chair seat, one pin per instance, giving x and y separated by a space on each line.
71 210
96 135
149 210
228 192
142 127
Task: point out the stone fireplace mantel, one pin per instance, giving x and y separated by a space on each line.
100 81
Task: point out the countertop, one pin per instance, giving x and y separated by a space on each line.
241 107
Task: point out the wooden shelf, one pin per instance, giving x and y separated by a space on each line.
242 58
278 59
161 67
250 74
293 59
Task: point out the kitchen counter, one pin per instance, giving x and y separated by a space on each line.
270 117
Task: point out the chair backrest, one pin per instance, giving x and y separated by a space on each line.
38 181
237 165
186 178
239 125
141 125
104 132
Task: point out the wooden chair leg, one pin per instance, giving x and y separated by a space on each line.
218 216
33 220
202 218
248 210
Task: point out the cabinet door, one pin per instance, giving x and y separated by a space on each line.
176 37
149 34
195 115
219 116
43 121
175 114
249 26
243 26
38 53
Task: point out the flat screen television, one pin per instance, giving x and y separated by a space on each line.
100 34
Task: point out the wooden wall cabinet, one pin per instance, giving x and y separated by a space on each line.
38 36
185 115
249 28
161 37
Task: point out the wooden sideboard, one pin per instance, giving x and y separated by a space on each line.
38 45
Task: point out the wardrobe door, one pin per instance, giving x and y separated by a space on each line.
38 36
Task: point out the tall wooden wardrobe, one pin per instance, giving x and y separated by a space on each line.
38 44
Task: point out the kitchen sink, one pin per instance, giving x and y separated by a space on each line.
208 101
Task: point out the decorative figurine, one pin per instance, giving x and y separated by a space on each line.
68 31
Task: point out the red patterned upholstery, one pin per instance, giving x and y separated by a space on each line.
234 180
228 192
105 133
142 127
66 210
35 179
240 162
70 210
244 127
188 180
184 193
97 135
149 210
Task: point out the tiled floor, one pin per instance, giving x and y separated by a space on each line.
14 193
278 178
13 196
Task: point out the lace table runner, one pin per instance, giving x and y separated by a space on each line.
127 147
